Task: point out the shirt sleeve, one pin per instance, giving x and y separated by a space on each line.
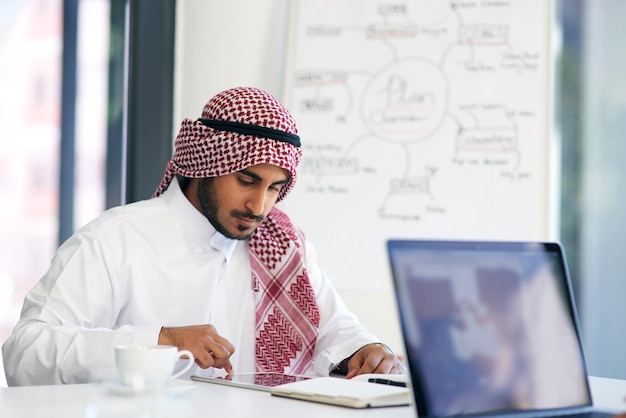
340 332
67 331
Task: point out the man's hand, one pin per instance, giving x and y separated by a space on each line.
374 358
208 347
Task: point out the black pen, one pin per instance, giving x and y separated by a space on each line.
386 382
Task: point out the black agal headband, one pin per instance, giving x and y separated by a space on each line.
252 130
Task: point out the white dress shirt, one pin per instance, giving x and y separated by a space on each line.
140 267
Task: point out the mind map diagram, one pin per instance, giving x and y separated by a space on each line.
420 107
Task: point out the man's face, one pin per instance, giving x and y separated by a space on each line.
237 203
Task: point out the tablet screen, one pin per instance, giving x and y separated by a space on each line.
258 381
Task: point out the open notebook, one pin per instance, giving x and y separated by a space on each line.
490 328
357 392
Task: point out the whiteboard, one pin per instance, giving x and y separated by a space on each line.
420 119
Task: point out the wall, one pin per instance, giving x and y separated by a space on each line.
223 44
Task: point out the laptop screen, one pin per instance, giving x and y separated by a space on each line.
488 326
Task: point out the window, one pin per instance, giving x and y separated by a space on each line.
31 48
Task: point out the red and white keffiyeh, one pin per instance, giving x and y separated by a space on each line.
239 128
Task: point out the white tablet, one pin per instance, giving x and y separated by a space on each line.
258 381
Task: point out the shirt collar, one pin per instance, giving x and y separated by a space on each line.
197 222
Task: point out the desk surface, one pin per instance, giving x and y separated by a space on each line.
205 399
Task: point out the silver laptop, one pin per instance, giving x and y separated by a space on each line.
490 328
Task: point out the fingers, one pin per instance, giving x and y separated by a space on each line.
219 354
228 368
220 347
208 347
213 353
219 359
374 359
204 359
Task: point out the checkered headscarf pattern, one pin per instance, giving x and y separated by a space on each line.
287 315
201 151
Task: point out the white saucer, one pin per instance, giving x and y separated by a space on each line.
173 386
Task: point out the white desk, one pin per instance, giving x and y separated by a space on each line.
209 400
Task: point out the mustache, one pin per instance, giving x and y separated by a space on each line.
248 215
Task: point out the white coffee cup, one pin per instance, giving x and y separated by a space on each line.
149 366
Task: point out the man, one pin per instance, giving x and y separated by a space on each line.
208 265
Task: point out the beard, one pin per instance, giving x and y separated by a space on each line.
207 197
